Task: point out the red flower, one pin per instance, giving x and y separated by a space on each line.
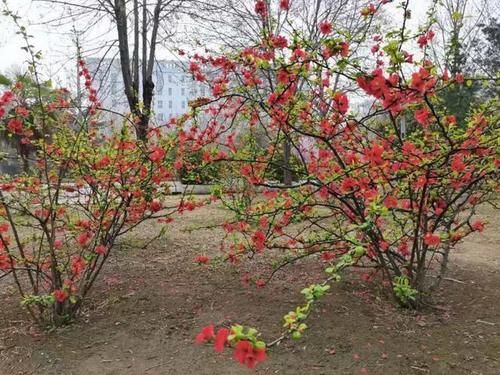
422 116
218 89
284 4
77 265
101 249
156 154
84 238
103 163
4 227
348 184
327 256
6 97
450 120
478 225
201 259
155 206
341 103
21 111
422 81
221 340
261 8
15 126
206 334
259 240
344 49
430 35
126 145
370 9
325 27
409 148
5 263
247 355
374 154
384 245
83 224
60 295
457 164
58 244
260 283
390 202
422 41
403 248
283 77
178 164
459 78
431 239
279 41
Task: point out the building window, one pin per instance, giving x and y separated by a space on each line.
169 104
183 91
183 104
170 91
160 103
159 90
170 78
160 117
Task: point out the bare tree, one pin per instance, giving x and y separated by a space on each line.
459 29
458 24
139 27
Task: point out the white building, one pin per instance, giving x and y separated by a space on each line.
174 87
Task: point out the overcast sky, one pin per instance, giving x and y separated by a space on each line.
57 46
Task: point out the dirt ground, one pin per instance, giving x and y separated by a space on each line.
149 304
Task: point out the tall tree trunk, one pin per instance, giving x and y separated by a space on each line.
131 94
135 59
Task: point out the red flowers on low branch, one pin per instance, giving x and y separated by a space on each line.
247 350
247 355
206 334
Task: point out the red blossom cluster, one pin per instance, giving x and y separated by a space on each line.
92 97
424 39
285 5
244 352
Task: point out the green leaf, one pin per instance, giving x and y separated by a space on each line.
456 16
5 81
260 345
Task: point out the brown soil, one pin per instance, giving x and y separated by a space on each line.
149 304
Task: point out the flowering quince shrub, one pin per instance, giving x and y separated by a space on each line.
59 224
369 195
